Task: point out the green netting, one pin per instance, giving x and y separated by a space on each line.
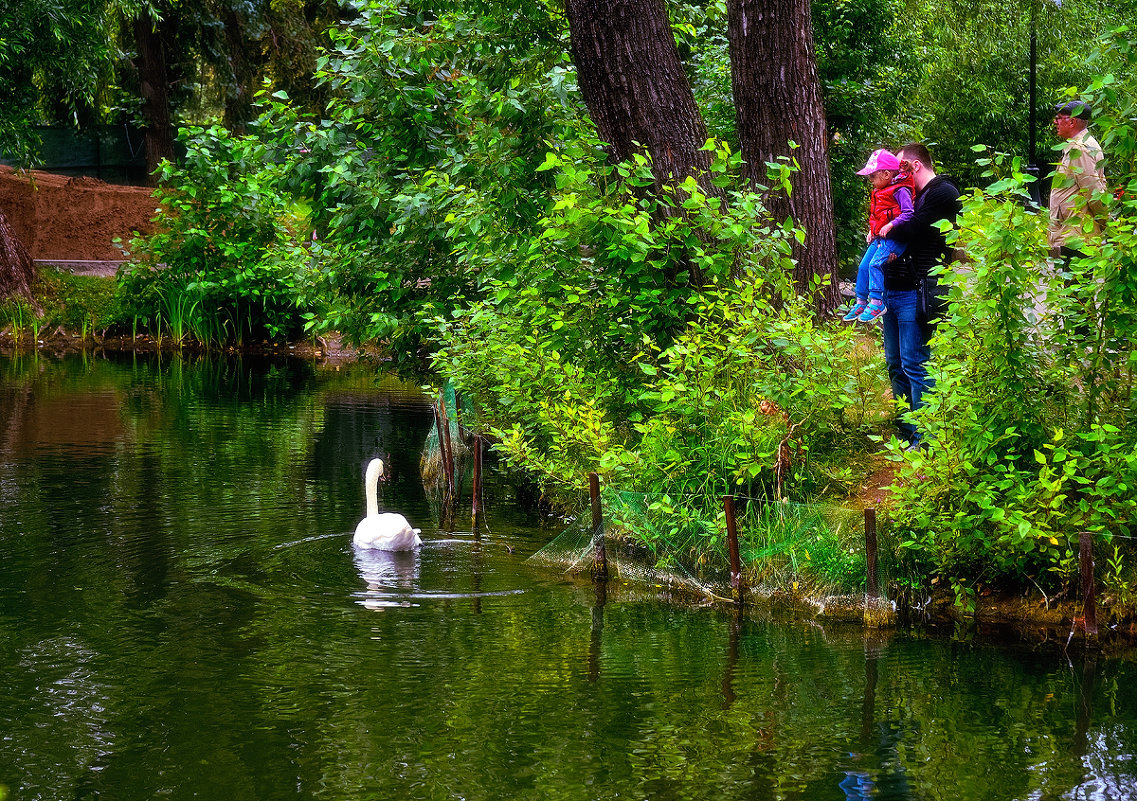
458 412
681 542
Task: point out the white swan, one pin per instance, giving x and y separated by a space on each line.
389 531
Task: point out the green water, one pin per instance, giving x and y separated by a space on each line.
182 616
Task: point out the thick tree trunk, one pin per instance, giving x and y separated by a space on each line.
634 86
17 270
244 62
154 88
638 96
777 97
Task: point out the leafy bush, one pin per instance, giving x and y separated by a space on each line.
423 176
600 355
78 304
1032 421
232 246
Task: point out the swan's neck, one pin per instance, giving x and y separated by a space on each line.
374 470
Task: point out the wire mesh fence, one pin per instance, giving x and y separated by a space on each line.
681 543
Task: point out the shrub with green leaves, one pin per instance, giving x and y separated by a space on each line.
600 355
229 257
1032 421
423 174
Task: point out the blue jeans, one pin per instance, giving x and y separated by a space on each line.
870 273
906 353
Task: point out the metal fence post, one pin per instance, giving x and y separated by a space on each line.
732 546
872 579
600 553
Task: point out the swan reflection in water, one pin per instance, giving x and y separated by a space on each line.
391 577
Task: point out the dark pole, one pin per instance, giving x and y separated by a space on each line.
1089 600
600 554
872 579
476 503
732 546
1032 146
447 444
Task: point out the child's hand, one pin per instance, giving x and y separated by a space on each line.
868 238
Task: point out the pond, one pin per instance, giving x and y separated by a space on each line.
182 615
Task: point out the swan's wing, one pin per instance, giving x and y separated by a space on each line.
389 531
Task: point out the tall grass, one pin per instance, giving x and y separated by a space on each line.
177 308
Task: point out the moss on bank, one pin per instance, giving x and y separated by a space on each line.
72 305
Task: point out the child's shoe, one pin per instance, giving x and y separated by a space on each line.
854 312
871 312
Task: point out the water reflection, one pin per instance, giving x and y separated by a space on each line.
182 614
388 575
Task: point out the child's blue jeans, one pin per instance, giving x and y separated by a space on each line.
870 274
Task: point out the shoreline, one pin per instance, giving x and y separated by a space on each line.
58 343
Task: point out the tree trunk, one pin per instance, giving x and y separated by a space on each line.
17 270
244 61
777 97
638 96
633 83
154 88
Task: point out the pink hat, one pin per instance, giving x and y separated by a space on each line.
879 160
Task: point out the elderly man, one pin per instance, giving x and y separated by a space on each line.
1079 183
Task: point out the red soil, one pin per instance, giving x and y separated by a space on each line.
57 217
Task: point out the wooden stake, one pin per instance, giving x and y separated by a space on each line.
476 502
600 553
445 444
872 579
732 548
1089 601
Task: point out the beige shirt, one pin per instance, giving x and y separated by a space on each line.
1079 183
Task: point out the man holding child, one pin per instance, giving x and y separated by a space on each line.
913 297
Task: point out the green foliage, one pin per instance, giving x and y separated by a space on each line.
974 81
21 317
1032 423
805 549
77 304
754 394
232 246
56 57
599 354
423 174
75 62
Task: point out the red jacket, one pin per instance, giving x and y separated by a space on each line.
883 207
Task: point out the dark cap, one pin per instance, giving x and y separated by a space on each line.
1075 108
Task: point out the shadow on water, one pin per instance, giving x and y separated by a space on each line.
182 614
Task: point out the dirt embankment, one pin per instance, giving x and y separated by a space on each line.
60 218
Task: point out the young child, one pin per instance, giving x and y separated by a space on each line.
890 202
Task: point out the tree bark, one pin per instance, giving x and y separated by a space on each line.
633 83
17 270
154 88
777 97
638 95
244 60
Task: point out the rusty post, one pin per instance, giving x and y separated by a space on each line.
476 502
441 440
600 553
1089 601
445 444
872 579
732 547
